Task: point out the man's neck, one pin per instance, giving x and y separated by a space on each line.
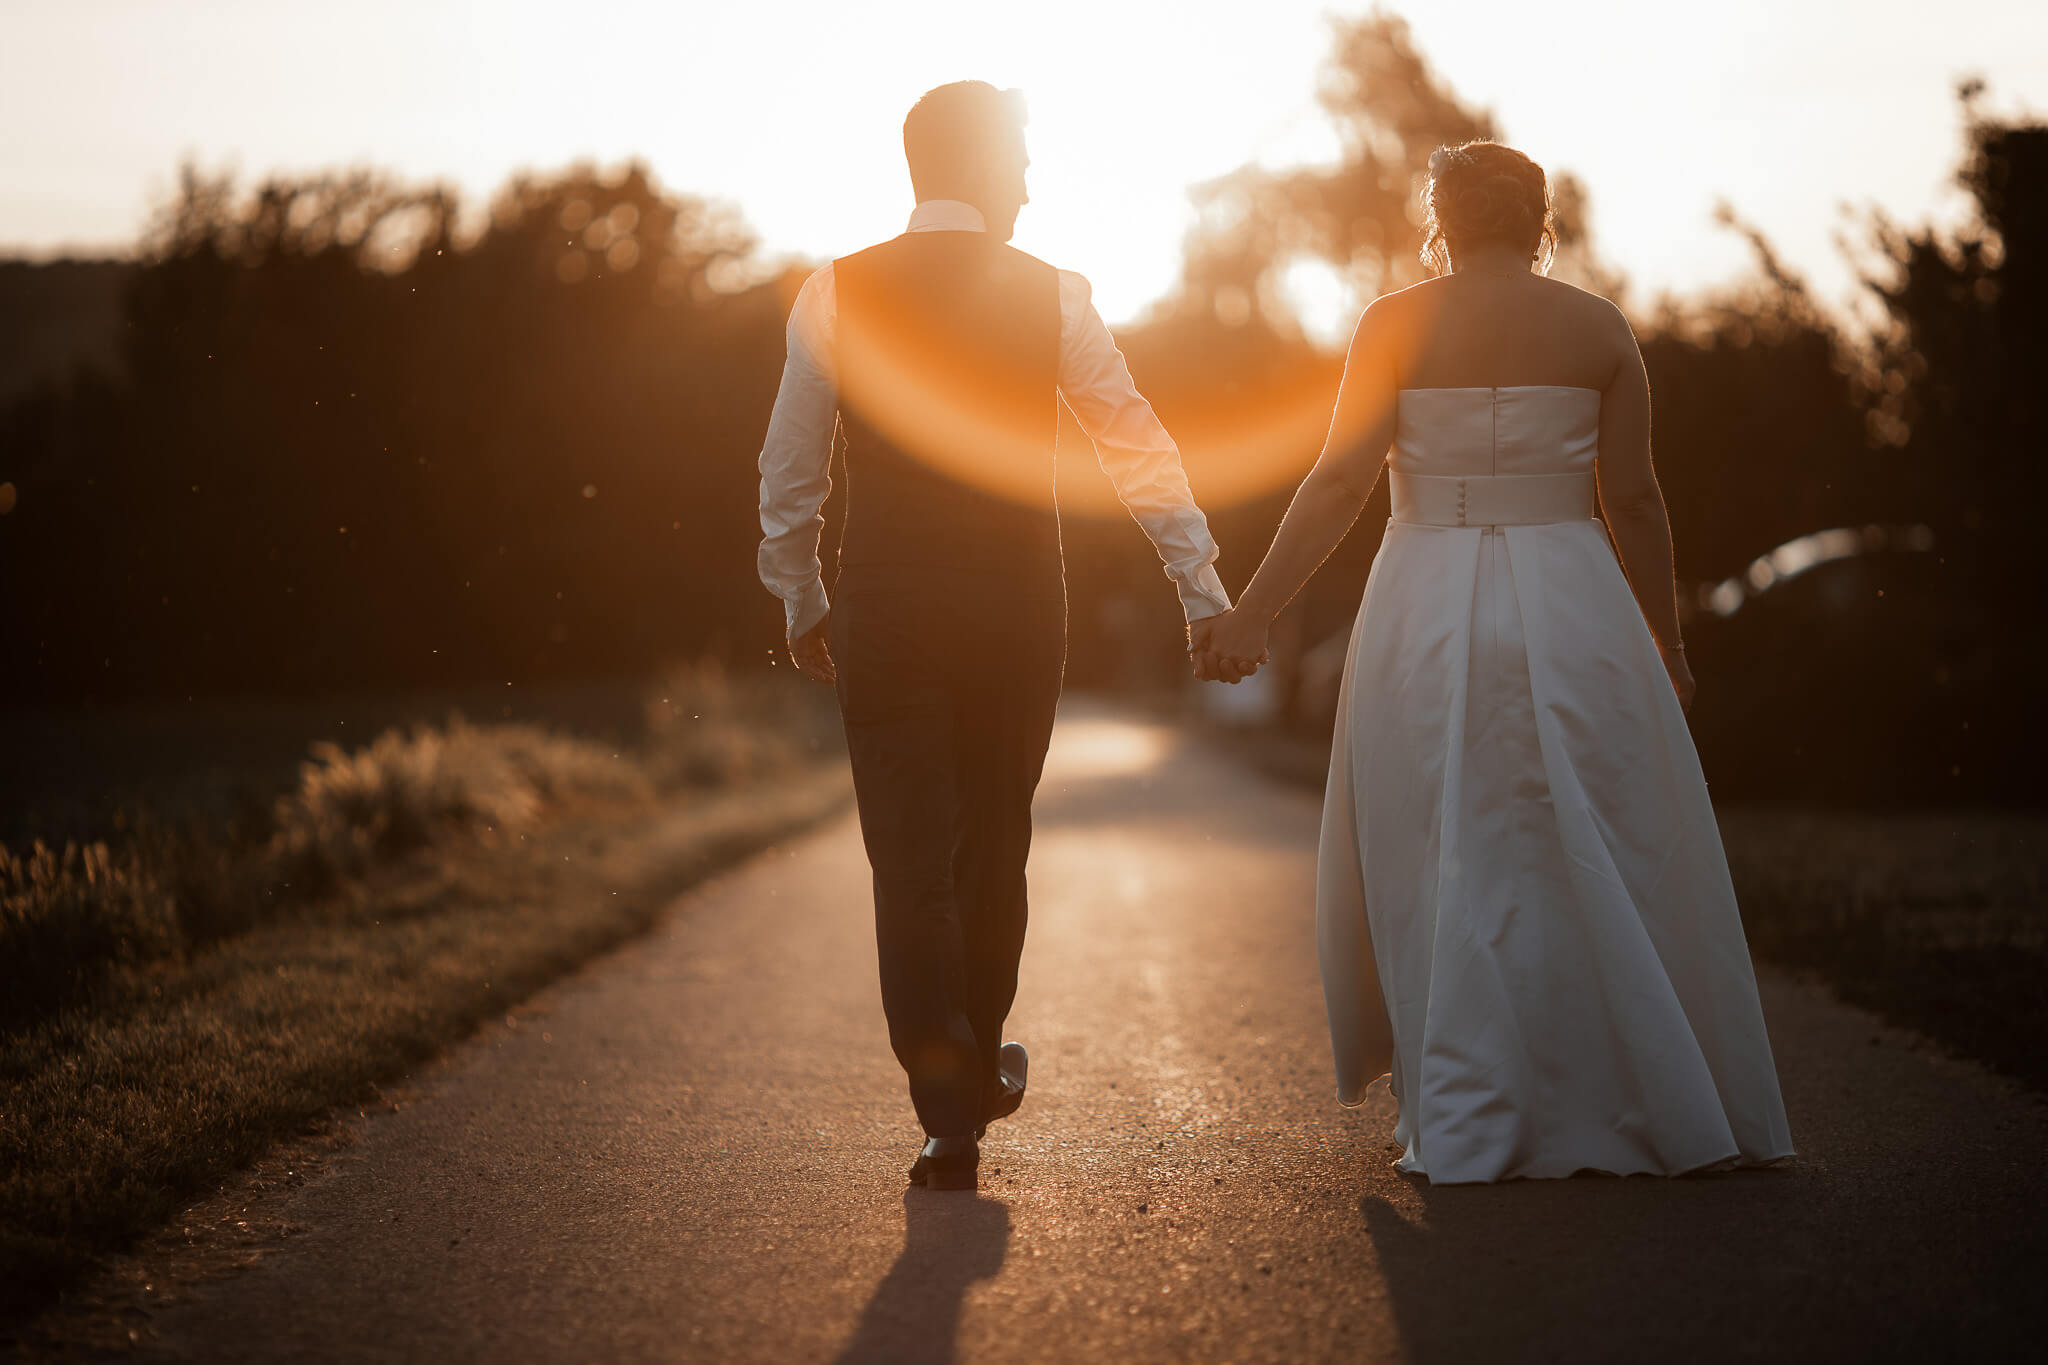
946 215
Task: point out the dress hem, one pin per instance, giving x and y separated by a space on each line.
1734 1162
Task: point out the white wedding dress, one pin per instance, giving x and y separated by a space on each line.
1524 911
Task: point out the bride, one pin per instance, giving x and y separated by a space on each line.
1523 909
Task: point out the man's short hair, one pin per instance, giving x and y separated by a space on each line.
954 128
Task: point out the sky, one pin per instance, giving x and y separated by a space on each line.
1787 109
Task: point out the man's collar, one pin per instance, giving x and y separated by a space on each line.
946 215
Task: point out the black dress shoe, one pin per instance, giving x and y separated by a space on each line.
947 1163
1013 1065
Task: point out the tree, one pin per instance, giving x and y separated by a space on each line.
1958 367
350 444
1361 216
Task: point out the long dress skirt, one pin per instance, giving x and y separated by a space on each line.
1524 911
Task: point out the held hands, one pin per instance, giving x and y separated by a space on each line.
1227 648
812 658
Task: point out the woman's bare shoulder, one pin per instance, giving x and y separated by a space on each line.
1401 312
1409 295
1594 308
1595 322
1393 315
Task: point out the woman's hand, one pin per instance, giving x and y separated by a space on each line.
1680 672
1228 648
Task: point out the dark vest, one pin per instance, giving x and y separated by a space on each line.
948 371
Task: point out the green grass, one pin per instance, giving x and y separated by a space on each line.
178 1001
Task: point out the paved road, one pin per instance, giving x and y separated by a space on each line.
694 1151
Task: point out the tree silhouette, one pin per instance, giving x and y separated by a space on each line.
347 446
1957 382
1390 111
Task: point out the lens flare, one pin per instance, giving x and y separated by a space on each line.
945 408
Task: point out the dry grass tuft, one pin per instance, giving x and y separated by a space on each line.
65 914
405 790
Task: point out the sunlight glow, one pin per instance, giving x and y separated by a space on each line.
1089 748
791 111
1323 300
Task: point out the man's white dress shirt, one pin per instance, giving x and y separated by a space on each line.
1137 454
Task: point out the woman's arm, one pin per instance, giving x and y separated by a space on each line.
1633 505
1329 499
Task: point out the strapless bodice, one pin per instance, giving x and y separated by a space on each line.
1538 429
1495 457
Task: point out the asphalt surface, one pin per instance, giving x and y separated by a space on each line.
695 1151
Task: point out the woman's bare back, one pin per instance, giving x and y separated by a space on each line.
1505 329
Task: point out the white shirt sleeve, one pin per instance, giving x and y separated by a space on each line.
796 459
1137 454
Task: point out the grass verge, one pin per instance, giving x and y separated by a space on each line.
203 1004
1935 921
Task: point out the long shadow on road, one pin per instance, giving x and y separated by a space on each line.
948 1244
1773 1264
1585 1267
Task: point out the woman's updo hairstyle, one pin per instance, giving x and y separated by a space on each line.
1484 192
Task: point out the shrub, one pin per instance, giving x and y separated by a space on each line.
354 810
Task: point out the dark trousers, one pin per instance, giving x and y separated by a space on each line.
947 685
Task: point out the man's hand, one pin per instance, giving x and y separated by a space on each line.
1218 652
812 657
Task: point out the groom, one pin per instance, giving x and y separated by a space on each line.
942 355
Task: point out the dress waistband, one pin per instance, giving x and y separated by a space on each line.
1491 499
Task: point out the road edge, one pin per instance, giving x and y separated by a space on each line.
109 1309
